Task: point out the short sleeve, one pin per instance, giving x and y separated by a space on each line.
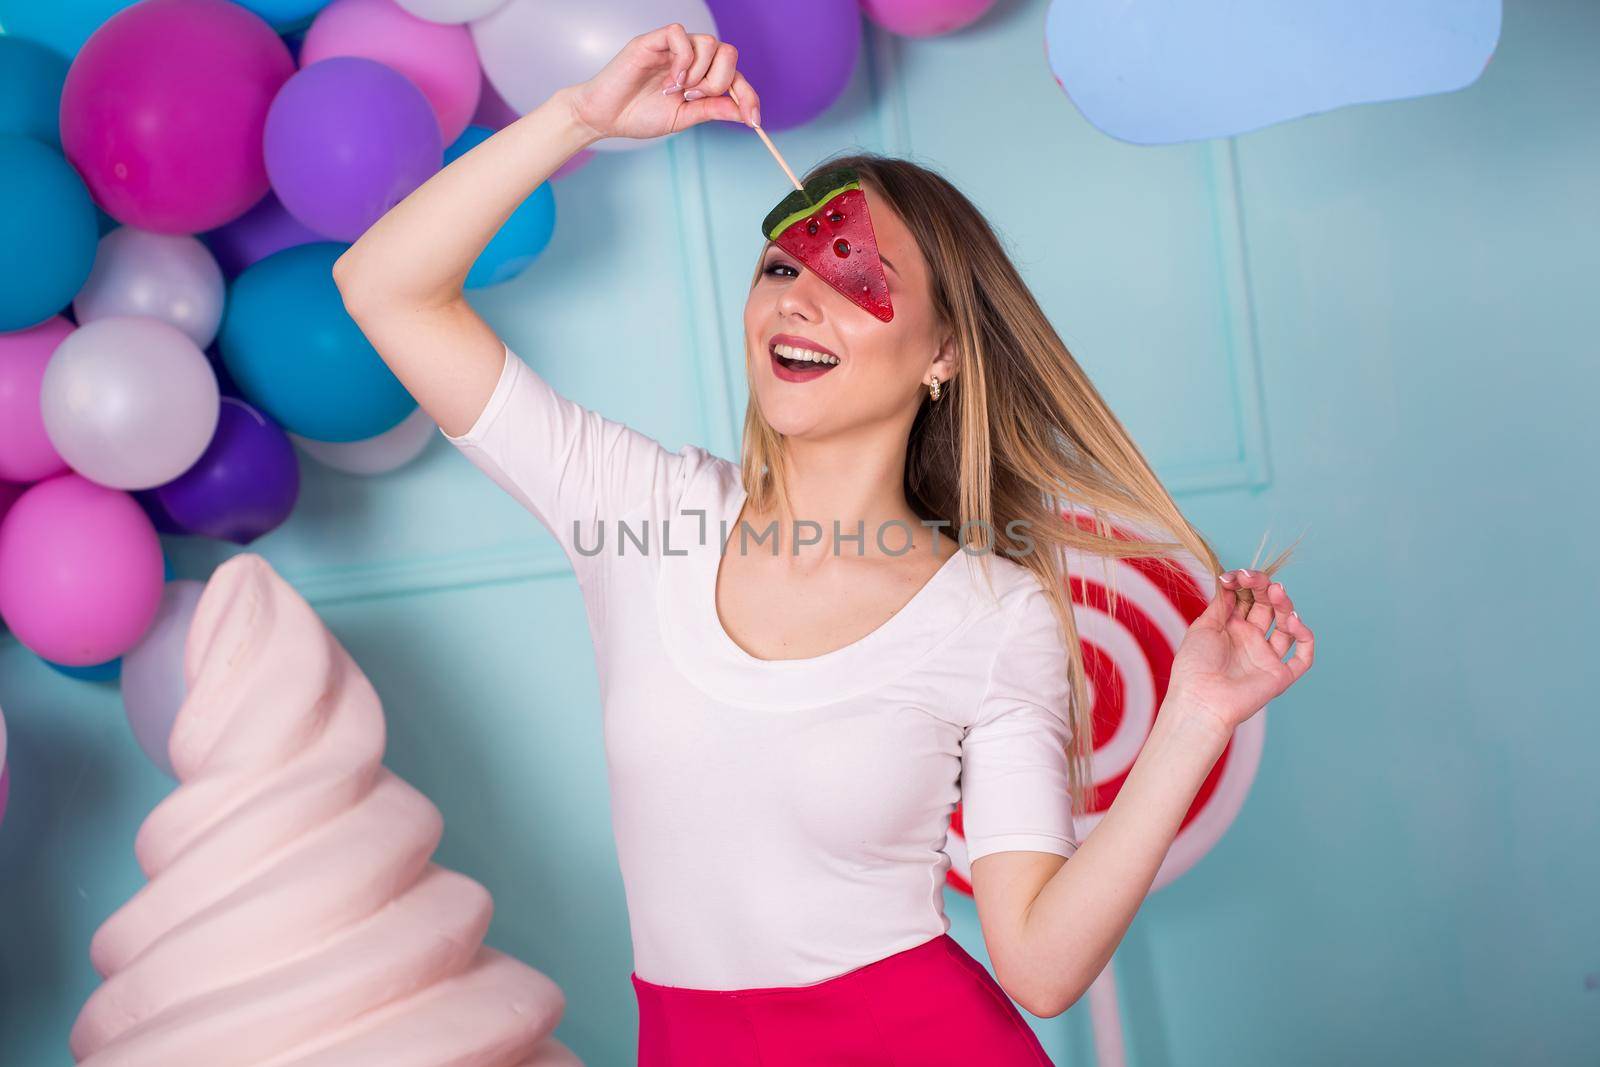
1015 792
568 465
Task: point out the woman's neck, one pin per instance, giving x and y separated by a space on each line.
858 484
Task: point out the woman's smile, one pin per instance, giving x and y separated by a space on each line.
797 359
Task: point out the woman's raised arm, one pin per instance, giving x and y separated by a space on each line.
402 280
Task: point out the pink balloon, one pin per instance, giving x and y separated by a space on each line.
26 454
5 789
80 571
163 110
924 18
440 60
9 494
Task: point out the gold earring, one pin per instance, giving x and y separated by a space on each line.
933 388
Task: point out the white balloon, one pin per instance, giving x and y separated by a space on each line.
153 684
129 402
389 450
449 11
171 277
531 48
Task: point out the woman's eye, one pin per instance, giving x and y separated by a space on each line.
776 265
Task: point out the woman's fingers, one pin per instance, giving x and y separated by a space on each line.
705 51
683 55
1304 647
744 94
706 109
1282 615
718 76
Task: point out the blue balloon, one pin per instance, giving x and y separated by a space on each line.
109 671
523 236
294 352
62 24
47 231
1166 71
31 76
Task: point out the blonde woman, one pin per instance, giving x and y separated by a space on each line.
801 676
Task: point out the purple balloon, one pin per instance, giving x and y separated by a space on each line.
245 483
255 235
150 501
347 138
798 54
5 789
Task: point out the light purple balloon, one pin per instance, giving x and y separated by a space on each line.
153 685
129 402
495 114
348 138
387 451
798 54
531 48
255 235
171 277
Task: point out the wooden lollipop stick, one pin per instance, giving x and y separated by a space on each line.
774 150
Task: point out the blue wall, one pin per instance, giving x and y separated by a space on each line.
1377 326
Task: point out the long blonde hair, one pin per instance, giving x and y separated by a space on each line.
1020 432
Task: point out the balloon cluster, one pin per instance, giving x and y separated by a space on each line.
176 182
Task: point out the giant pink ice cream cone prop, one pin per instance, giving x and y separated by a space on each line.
293 917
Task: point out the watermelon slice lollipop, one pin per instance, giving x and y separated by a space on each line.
826 227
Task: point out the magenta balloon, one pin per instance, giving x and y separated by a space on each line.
163 109
924 18
80 571
347 139
26 454
799 54
440 60
255 235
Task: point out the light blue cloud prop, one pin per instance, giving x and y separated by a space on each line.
1164 71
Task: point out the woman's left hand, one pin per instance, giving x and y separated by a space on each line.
1227 668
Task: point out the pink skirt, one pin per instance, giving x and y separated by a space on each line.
930 1005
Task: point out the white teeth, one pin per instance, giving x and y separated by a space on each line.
791 352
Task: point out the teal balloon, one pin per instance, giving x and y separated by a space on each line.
48 232
522 237
31 76
285 15
109 671
62 24
295 353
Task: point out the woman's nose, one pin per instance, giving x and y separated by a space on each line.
801 297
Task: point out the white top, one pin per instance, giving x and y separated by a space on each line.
781 822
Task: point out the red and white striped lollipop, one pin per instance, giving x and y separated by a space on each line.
1128 658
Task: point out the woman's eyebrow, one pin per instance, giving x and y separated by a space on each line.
886 263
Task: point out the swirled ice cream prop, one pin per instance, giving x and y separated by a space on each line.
293 916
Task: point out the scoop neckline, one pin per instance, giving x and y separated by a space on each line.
884 631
